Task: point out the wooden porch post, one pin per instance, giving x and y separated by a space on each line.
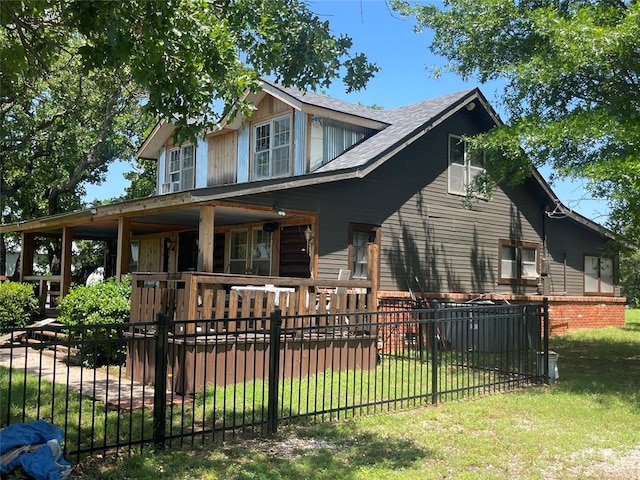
123 249
65 261
373 267
26 257
206 238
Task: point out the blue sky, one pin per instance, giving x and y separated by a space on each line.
405 77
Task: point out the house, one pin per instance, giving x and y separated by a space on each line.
310 185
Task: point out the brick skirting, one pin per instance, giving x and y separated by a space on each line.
566 313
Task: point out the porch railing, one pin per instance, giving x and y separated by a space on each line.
211 296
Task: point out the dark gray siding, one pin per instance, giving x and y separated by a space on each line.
428 233
568 243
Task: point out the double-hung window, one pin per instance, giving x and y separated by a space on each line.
181 169
463 166
272 148
598 275
519 262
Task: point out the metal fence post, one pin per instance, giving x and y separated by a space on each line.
274 371
545 319
434 352
160 380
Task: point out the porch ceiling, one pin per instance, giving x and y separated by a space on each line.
106 228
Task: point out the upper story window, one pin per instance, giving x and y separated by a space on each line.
463 166
598 275
272 148
331 138
519 262
180 172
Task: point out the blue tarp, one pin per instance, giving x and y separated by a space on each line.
36 448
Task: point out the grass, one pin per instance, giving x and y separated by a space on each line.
558 431
91 425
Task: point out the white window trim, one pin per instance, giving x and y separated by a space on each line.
470 171
271 148
175 180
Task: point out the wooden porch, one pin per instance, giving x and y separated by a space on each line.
219 326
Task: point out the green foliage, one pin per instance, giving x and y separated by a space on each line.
88 257
18 304
182 53
64 131
630 277
572 73
142 180
100 308
83 80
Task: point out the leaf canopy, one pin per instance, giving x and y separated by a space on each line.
572 88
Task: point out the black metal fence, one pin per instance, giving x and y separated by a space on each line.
167 383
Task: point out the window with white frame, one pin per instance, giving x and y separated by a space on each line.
598 275
250 251
180 173
272 148
463 166
519 262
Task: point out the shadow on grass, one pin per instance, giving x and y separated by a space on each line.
632 327
326 451
601 364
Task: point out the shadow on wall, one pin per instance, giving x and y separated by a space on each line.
438 270
426 262
483 269
515 233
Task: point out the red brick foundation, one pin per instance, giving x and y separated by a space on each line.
574 313
566 313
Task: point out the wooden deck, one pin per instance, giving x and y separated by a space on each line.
232 318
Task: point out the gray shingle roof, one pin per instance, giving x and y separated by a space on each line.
402 123
323 101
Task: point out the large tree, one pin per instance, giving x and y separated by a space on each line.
74 74
182 53
572 75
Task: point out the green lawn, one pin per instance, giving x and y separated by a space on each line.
558 431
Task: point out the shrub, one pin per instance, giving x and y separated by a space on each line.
18 304
100 308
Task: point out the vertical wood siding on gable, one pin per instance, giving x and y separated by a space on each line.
269 106
222 159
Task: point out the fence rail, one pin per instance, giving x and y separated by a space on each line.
163 383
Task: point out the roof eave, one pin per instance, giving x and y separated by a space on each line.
313 109
154 142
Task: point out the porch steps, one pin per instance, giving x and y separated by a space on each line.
19 335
